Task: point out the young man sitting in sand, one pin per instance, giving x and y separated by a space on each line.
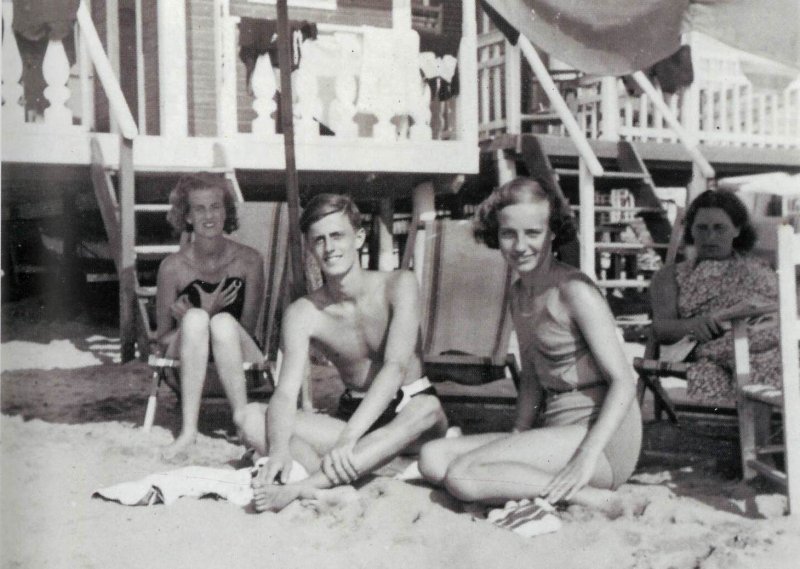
367 324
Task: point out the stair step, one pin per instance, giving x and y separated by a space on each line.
146 291
622 283
156 250
604 208
152 207
177 170
606 175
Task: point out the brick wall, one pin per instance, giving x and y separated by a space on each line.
150 51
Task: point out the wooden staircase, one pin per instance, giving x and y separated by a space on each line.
133 205
603 253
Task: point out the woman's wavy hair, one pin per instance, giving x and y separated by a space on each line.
322 205
731 205
525 190
179 200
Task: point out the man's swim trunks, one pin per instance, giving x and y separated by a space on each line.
350 400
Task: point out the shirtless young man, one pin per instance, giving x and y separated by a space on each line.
367 324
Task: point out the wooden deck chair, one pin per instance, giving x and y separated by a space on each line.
652 367
757 403
263 226
466 323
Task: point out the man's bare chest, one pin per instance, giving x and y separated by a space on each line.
354 332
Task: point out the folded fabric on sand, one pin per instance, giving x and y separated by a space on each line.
192 481
526 518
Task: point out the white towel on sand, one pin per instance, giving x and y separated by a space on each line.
192 481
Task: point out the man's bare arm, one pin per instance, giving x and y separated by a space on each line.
295 339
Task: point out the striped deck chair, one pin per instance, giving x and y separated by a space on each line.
263 226
466 323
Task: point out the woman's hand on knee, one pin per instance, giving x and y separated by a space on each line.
575 475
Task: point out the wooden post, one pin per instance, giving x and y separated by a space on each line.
172 73
225 64
467 101
424 206
401 14
141 96
384 225
586 220
292 183
112 47
513 76
609 109
127 255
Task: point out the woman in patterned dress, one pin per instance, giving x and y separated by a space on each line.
689 297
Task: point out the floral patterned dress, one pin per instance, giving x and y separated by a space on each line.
712 285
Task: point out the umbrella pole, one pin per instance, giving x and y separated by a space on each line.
287 124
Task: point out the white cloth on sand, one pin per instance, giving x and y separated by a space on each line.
192 481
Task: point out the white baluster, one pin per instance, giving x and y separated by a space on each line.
308 104
13 110
263 83
55 69
421 113
342 110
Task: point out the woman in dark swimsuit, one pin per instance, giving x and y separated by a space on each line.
207 300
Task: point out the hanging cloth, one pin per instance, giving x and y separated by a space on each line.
258 36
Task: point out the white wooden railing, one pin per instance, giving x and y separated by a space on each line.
360 82
70 90
721 107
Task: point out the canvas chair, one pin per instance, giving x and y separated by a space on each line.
653 367
263 226
758 403
466 324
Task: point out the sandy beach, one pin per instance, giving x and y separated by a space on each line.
70 425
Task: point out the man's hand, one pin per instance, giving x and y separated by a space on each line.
338 465
574 476
277 470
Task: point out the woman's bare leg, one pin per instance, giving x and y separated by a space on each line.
193 343
436 456
232 346
521 466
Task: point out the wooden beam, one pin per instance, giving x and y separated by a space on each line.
127 255
287 124
385 222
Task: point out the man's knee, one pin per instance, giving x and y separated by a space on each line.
195 321
460 480
426 412
433 461
224 328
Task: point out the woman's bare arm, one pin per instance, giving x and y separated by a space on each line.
668 327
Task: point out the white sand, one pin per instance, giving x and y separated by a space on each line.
68 432
58 354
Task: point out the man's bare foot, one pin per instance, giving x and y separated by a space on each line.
178 450
275 497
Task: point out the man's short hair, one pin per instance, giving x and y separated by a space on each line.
326 204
